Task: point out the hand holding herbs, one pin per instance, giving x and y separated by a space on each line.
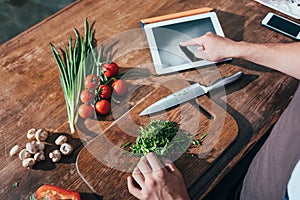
163 137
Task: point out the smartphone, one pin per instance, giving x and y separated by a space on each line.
282 25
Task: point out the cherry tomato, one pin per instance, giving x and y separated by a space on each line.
104 91
87 95
91 81
102 107
85 111
120 87
110 69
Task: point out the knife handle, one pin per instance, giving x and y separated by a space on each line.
225 81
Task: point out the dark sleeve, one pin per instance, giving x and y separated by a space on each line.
270 170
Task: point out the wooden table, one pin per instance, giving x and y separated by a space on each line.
32 96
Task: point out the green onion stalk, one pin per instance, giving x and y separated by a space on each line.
76 61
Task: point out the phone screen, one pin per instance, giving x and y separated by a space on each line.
283 25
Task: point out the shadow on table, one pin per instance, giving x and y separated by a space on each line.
250 65
51 146
90 196
233 28
244 134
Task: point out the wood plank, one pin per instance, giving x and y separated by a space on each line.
32 97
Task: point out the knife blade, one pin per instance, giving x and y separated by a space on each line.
188 93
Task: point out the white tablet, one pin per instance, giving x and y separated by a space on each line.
164 39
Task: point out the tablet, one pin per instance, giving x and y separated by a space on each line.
164 38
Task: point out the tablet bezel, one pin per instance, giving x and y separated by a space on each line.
154 49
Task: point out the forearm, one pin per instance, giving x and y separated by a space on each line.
278 56
281 57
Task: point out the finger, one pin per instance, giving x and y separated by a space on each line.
138 176
132 188
170 166
200 53
192 42
143 166
200 48
154 161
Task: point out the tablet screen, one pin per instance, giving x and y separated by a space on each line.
164 40
168 38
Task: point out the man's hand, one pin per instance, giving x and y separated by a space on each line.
156 180
212 47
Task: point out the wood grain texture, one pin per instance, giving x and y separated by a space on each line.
104 165
31 94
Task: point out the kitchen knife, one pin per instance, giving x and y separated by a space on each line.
188 93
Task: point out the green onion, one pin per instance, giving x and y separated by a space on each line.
126 145
76 60
15 185
32 197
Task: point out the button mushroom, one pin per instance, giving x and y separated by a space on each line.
41 135
39 156
31 148
31 134
24 154
55 155
15 150
40 145
28 162
60 140
66 149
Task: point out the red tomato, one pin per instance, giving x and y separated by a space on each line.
104 91
102 107
120 87
85 111
91 81
110 69
87 95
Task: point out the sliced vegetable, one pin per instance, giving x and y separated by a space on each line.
120 87
15 185
127 144
55 192
85 111
102 107
32 197
162 137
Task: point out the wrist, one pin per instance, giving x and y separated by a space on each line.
244 50
238 49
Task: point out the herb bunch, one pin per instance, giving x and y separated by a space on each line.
76 60
162 137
